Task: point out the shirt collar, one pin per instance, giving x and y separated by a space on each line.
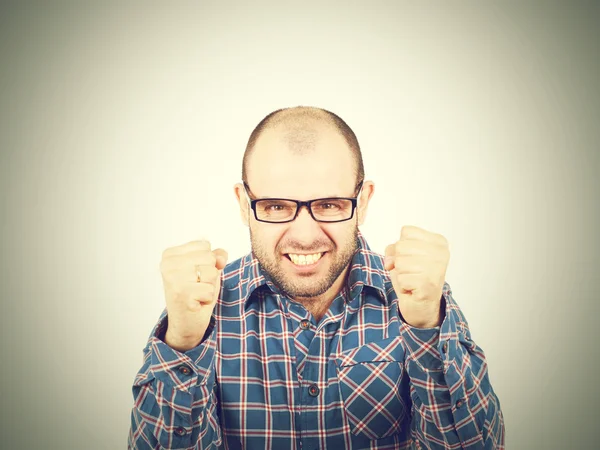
366 269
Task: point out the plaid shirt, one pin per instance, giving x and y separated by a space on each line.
267 376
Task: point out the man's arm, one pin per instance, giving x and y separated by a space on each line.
174 393
454 405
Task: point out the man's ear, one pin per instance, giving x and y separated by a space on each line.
367 191
240 195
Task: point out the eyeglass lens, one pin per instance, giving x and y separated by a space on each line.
326 210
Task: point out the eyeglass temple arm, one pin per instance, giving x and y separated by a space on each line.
246 189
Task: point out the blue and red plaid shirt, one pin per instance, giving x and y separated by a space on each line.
267 376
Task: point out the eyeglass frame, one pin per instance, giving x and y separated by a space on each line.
308 204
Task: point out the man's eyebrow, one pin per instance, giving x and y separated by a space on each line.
265 197
288 198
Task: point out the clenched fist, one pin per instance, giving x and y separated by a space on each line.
417 265
191 276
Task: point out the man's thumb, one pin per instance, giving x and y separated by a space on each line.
221 256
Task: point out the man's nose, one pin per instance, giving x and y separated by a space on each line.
304 227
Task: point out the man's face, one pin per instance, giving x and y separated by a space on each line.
325 170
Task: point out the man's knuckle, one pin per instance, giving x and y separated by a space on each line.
210 256
202 258
202 244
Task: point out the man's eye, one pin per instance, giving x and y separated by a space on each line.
275 207
328 206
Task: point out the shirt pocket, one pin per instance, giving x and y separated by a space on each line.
369 378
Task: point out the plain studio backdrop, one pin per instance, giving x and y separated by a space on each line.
122 132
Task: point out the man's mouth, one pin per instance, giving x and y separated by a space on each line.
304 259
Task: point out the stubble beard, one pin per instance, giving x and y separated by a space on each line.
308 286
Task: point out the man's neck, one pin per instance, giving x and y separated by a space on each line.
319 305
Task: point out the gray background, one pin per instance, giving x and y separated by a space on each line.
121 133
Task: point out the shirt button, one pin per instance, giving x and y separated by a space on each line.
305 324
184 370
313 390
445 347
180 431
459 403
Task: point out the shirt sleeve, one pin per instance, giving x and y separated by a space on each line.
175 402
453 403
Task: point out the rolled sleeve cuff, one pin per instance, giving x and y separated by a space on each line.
435 357
432 348
181 370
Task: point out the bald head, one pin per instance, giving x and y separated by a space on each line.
300 128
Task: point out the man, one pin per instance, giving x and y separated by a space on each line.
312 340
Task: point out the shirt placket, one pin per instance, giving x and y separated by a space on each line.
311 352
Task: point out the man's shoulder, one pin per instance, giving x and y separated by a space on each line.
240 277
368 269
234 265
236 270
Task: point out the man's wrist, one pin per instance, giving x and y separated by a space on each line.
417 322
181 344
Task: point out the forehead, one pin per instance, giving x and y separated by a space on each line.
302 164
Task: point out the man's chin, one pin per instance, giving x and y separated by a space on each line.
307 286
303 294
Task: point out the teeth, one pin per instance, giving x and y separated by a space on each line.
303 260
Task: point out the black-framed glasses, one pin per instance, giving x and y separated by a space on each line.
282 210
